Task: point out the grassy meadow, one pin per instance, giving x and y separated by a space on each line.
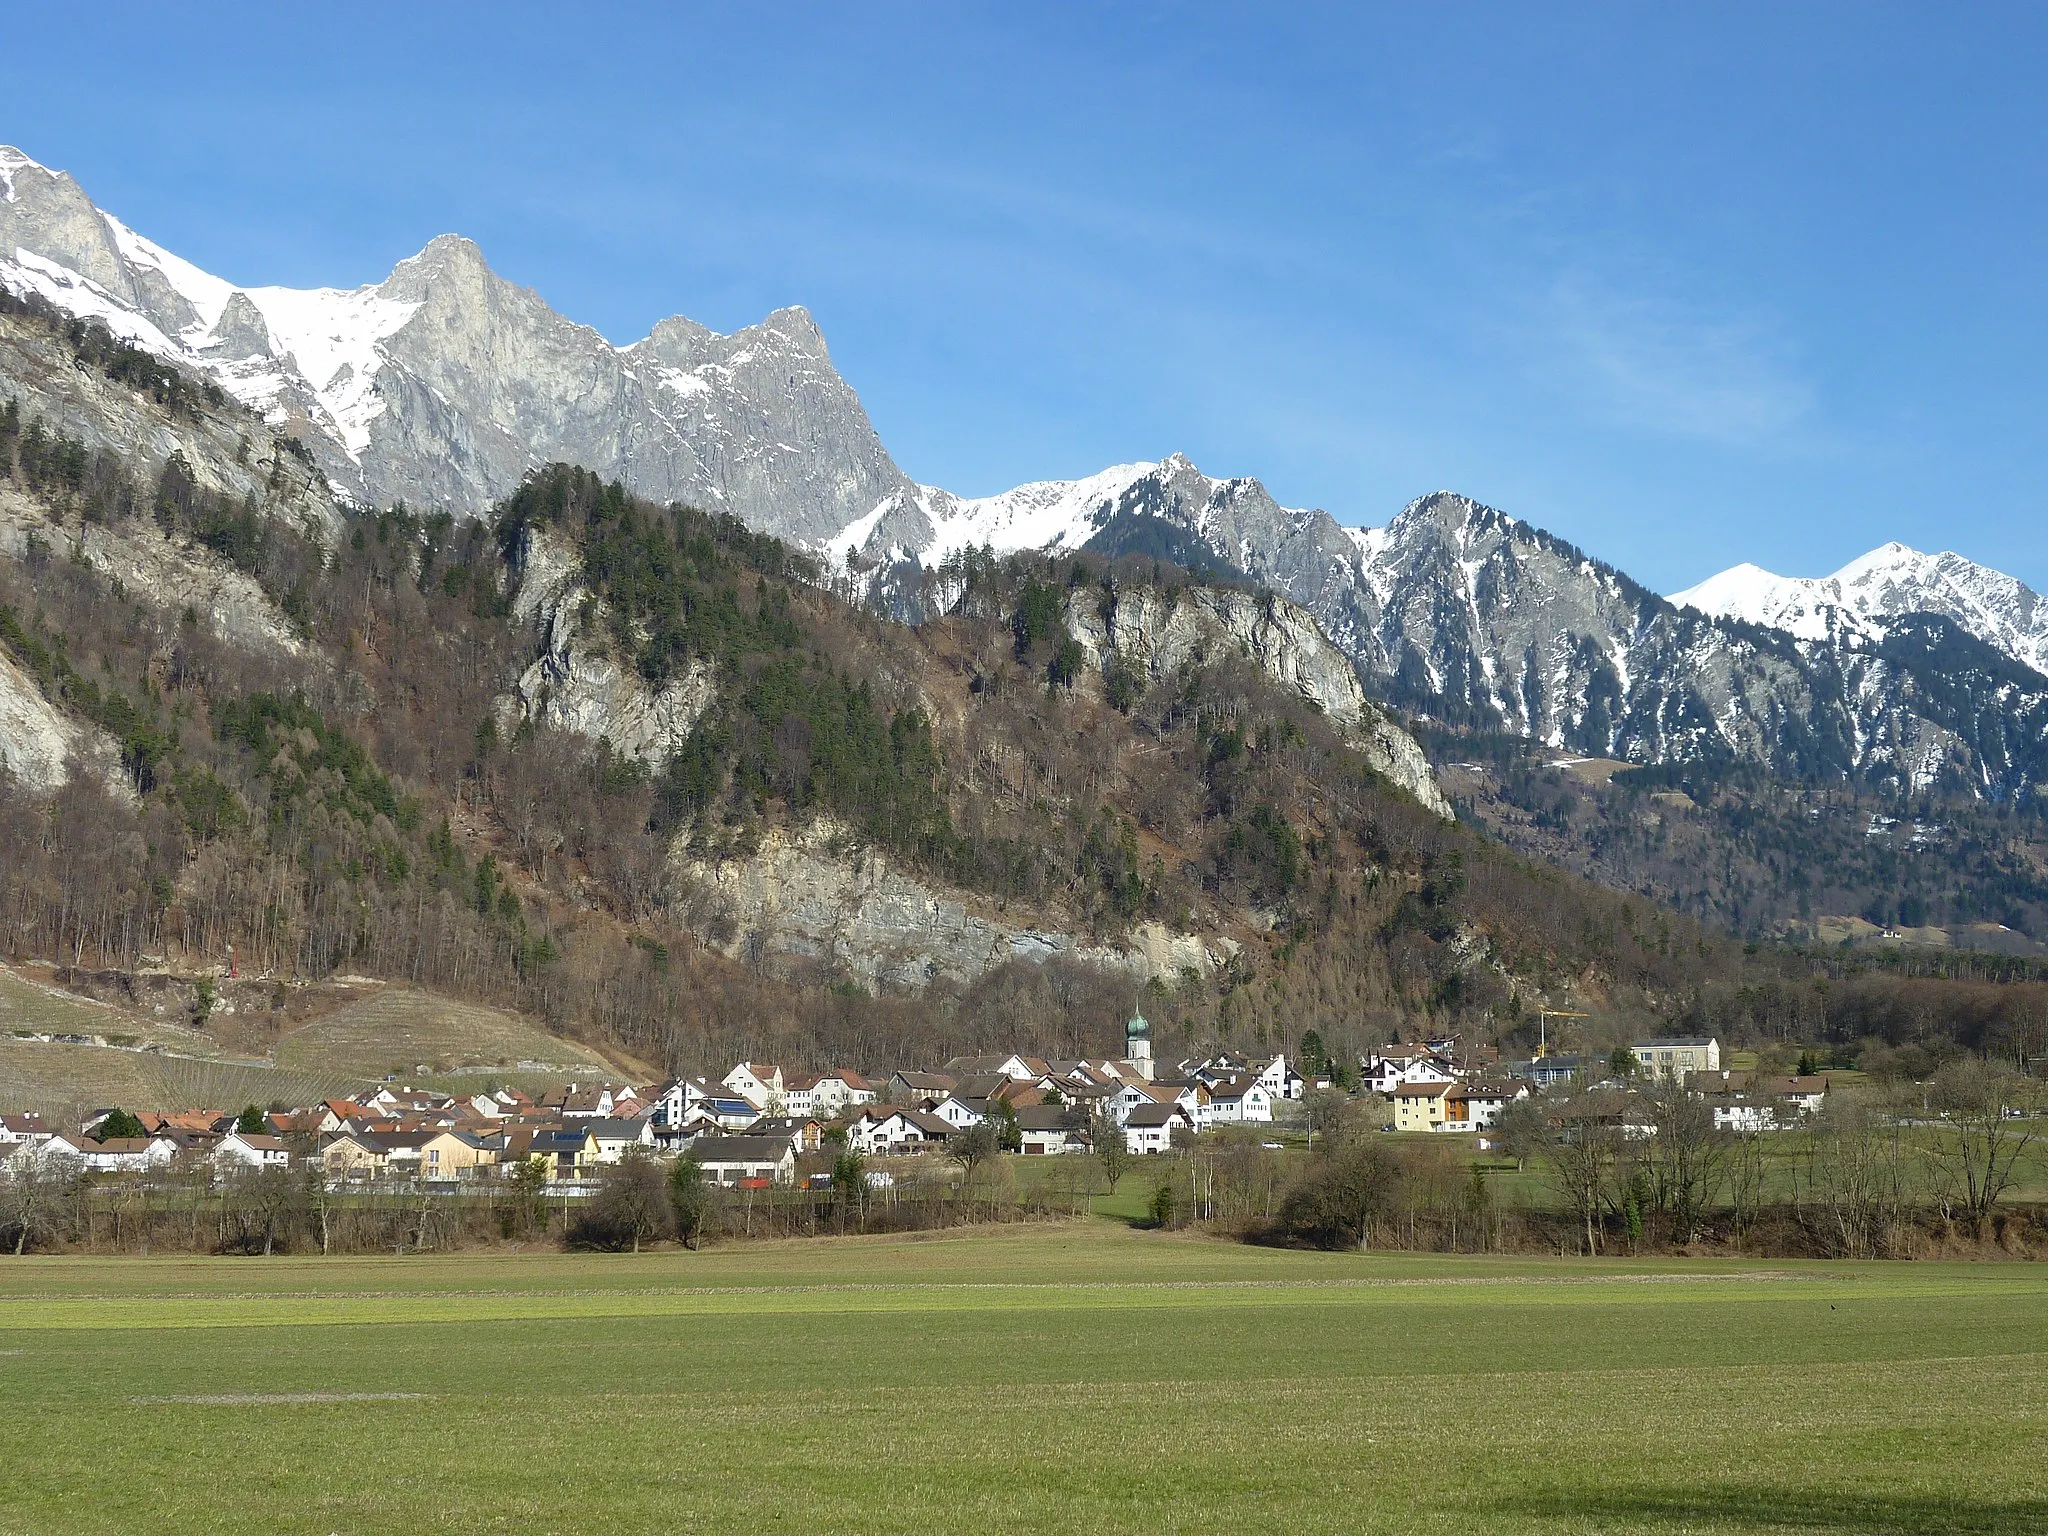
1072 1378
254 1057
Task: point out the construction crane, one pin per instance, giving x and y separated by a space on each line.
1543 1018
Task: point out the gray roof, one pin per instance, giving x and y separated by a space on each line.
739 1149
1152 1116
1042 1117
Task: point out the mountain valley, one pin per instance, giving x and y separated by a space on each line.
418 632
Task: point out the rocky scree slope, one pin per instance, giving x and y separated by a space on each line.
107 456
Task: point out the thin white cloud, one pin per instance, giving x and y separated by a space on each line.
1659 365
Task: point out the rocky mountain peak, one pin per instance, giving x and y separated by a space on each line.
445 384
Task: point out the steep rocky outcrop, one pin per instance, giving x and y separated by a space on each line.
1159 632
40 745
818 900
1460 612
577 683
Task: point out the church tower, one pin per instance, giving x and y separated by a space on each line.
1138 1045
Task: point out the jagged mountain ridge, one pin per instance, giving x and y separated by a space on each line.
445 385
1466 614
1872 592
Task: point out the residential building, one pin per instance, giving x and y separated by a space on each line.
612 1140
741 1160
759 1083
960 1113
920 1090
1149 1127
1388 1070
1046 1130
117 1154
1279 1079
839 1090
1022 1068
1423 1106
1478 1106
238 1149
1235 1100
1675 1058
882 1131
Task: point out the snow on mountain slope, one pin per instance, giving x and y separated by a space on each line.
444 384
932 524
1052 515
1865 597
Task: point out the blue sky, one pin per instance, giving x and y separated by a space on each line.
1686 285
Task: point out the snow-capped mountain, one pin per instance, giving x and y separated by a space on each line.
444 384
1866 596
1466 614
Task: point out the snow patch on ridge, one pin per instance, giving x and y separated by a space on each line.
1046 514
1862 598
11 160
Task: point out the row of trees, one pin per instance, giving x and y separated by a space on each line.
1856 1174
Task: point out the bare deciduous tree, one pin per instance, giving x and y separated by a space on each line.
1686 1156
1582 1147
1984 1127
30 1197
1849 1180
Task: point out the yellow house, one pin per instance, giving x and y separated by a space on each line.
1421 1106
352 1156
451 1155
1675 1058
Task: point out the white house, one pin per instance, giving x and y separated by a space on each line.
22 1132
1149 1128
799 1096
1045 1131
1803 1095
237 1150
839 1090
1280 1080
609 1141
1235 1100
958 1113
880 1130
1387 1073
759 1083
117 1154
1188 1097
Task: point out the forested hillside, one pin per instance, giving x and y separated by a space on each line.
359 783
1763 856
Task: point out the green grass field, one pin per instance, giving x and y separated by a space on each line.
1073 1379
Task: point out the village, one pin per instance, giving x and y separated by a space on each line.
760 1126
